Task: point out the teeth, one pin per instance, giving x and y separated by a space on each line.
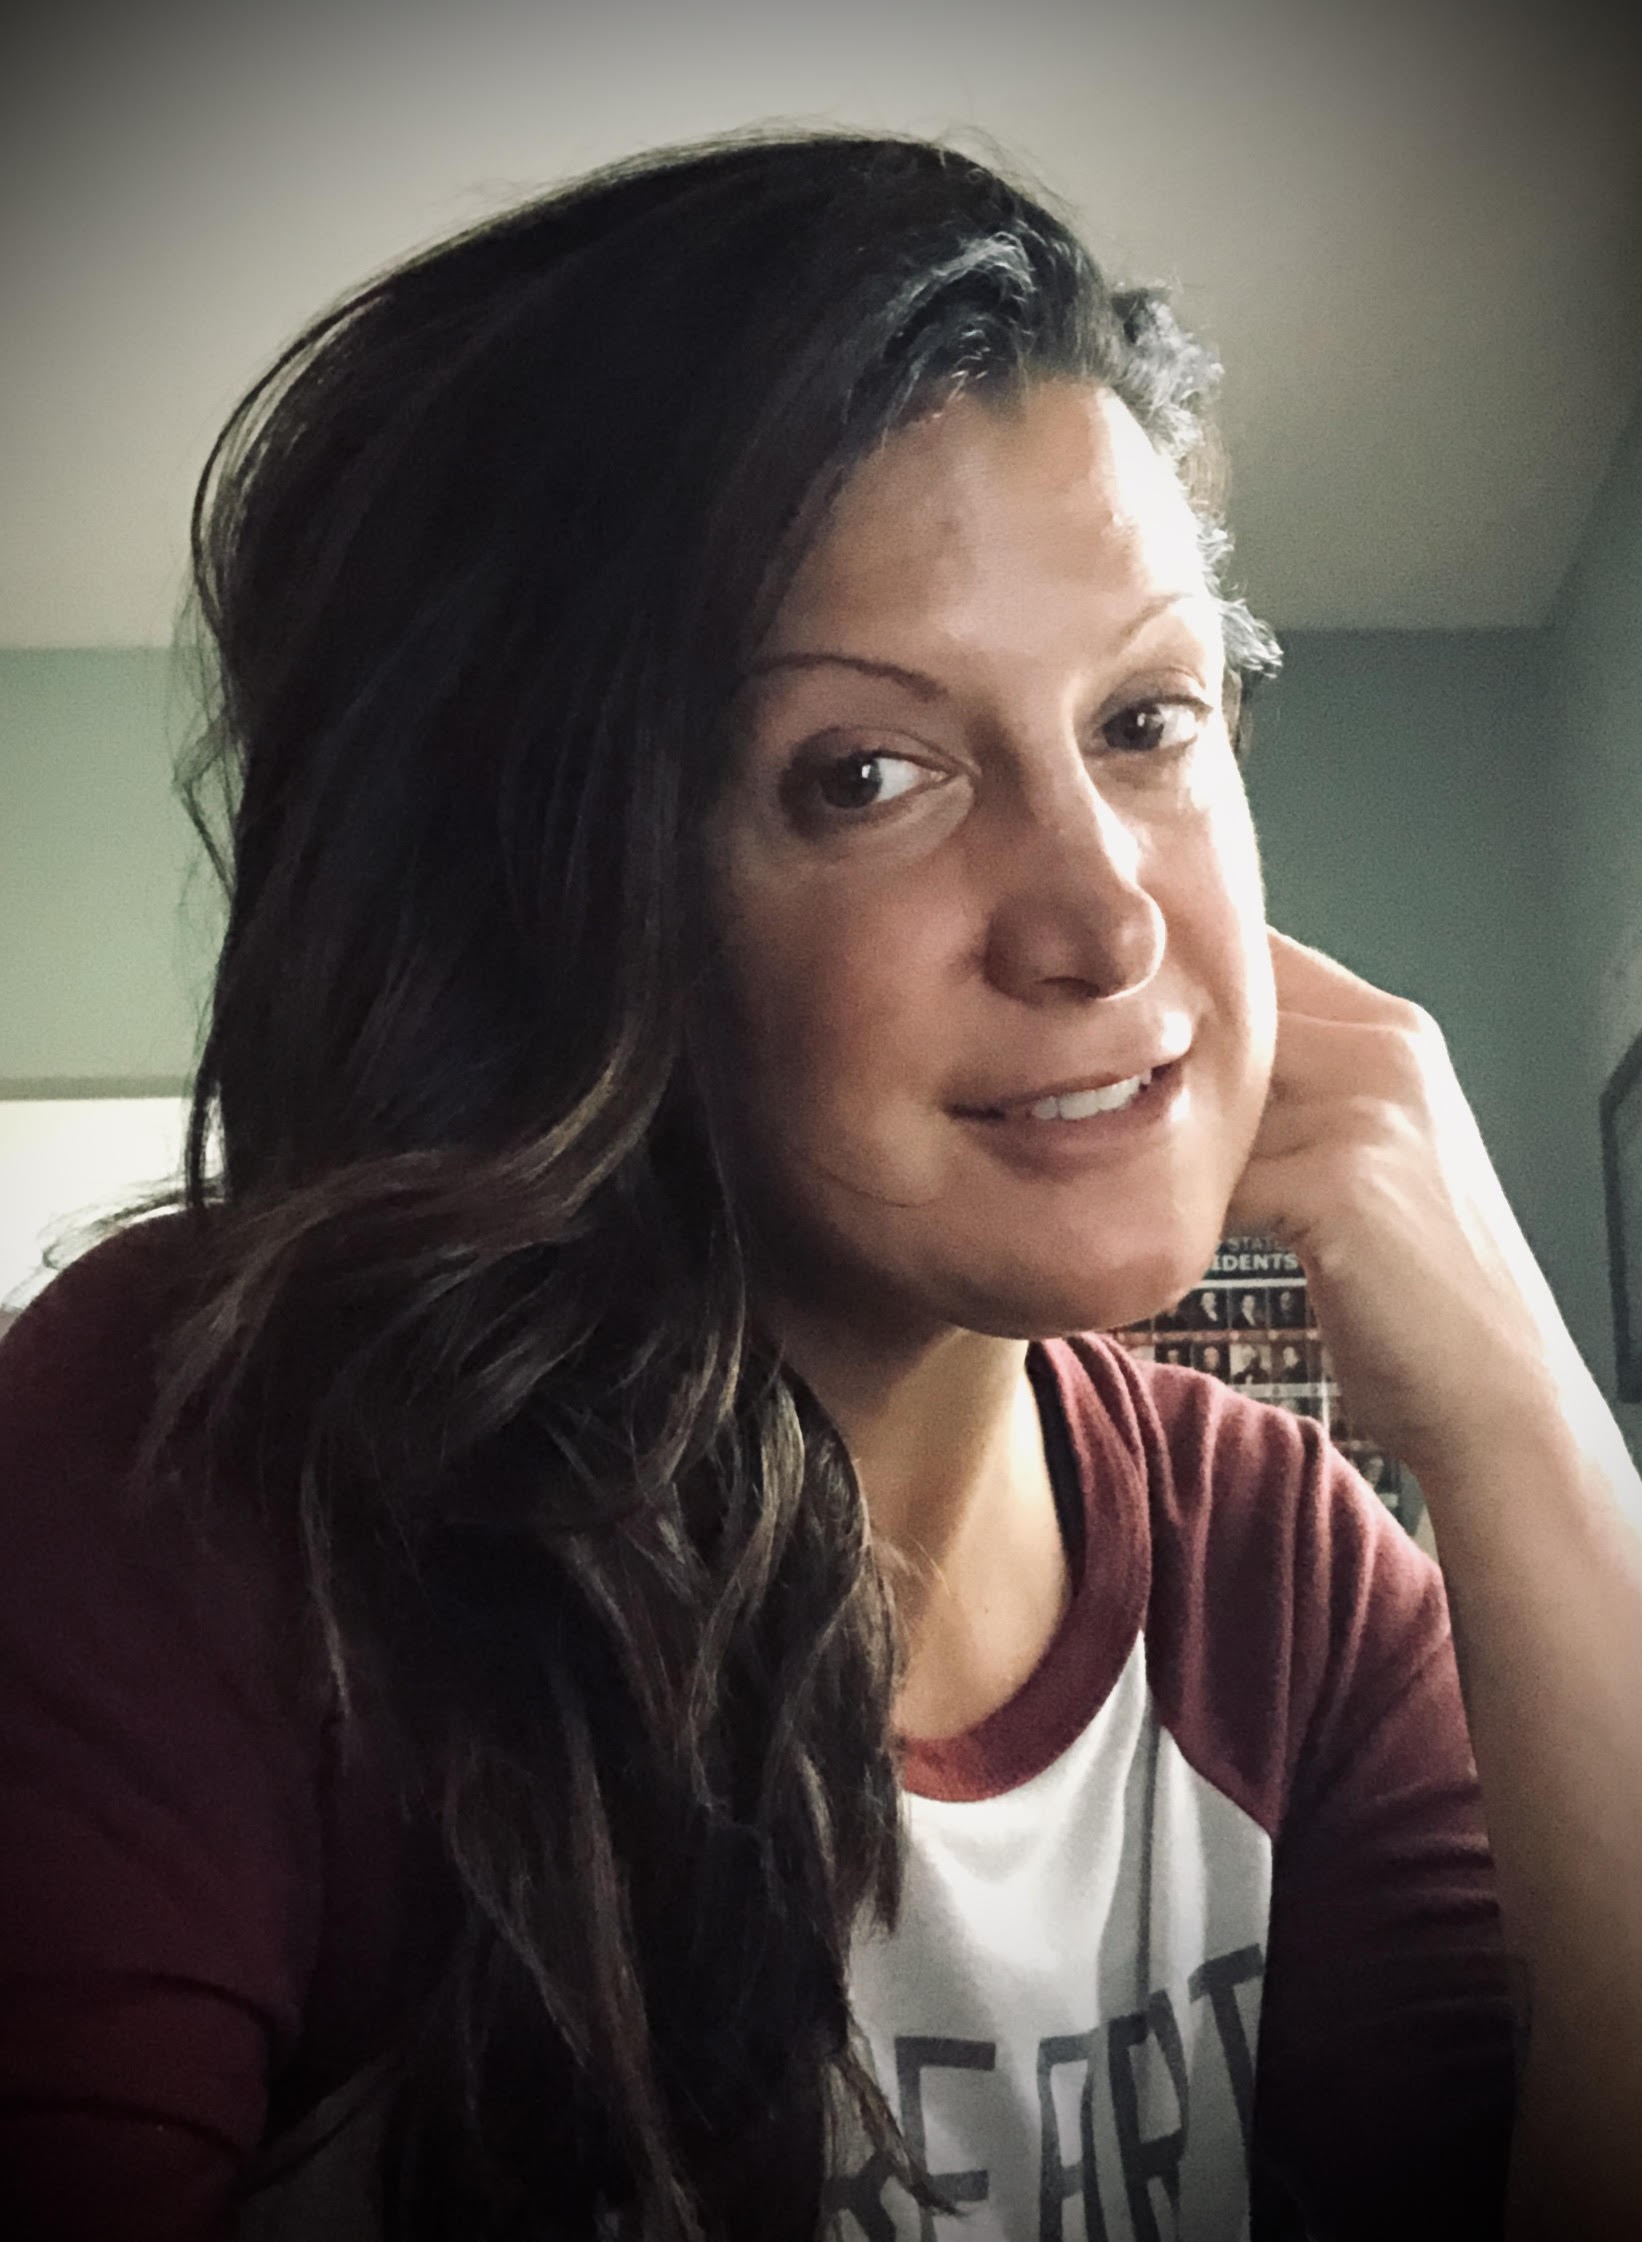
1082 1103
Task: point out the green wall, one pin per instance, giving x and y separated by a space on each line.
1588 797
1459 816
1388 776
107 914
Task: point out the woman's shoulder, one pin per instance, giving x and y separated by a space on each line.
194 1870
1287 1611
101 1549
81 1355
1221 1469
149 1598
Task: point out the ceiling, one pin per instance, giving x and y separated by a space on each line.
1413 230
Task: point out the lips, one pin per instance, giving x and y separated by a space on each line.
1071 1101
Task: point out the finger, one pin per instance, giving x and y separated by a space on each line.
1321 1057
1352 1125
1310 983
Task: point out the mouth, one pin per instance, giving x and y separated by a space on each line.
1078 1105
1076 1102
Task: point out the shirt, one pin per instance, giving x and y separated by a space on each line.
1210 1894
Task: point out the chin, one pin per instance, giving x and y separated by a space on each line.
1047 1300
1150 1287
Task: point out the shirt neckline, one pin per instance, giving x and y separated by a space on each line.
1079 1383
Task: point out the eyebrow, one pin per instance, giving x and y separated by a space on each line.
928 688
914 680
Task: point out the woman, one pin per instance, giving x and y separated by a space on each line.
586 1660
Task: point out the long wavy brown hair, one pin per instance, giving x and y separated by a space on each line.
482 559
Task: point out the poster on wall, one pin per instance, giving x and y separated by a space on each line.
1249 1321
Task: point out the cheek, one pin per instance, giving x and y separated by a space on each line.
833 1000
1259 985
1263 1016
1225 901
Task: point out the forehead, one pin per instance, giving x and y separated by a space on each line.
1009 498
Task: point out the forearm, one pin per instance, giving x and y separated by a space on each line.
1545 1586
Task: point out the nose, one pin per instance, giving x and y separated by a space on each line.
1071 919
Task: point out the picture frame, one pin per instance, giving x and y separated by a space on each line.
1620 1111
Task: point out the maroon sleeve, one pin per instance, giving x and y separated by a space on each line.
1299 1651
1385 2089
161 1864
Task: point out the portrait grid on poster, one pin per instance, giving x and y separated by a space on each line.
1249 1322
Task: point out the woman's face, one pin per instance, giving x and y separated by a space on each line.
988 890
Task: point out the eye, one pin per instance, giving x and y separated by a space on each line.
866 782
1153 727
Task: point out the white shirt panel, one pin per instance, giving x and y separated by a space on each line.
1077 1966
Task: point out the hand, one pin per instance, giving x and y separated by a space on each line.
1369 1165
1450 1350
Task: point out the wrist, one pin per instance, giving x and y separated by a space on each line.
1540 1414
